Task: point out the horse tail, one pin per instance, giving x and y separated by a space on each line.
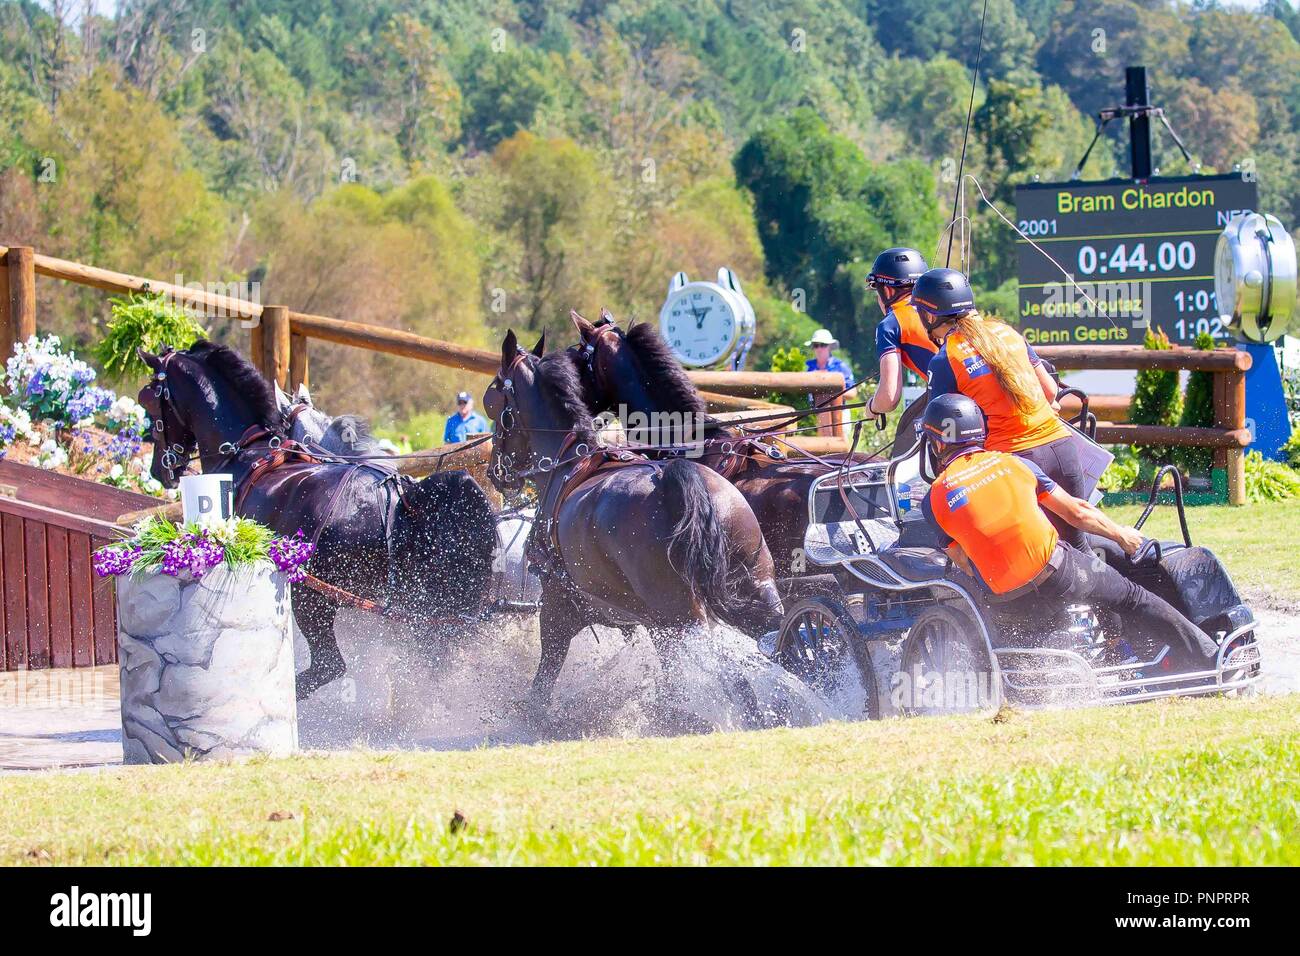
444 537
698 546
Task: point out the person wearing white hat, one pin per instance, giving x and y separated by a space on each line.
823 344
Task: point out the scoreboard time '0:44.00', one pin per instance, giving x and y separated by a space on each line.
1139 253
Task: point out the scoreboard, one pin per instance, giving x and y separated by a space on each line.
1138 253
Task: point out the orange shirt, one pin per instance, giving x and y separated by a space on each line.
901 331
957 367
987 501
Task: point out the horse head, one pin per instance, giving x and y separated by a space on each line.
537 403
603 358
199 400
174 442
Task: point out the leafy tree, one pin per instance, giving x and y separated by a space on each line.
932 28
406 259
554 207
824 211
504 91
117 184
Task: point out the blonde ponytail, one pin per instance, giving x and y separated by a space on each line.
1009 364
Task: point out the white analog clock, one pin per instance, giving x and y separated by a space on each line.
1255 277
707 323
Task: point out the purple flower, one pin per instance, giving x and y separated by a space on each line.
291 555
196 553
114 560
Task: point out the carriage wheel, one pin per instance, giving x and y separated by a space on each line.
946 667
819 643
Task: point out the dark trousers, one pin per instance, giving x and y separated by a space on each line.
1086 579
1059 460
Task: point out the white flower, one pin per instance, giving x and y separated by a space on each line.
116 472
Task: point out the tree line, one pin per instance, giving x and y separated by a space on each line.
458 167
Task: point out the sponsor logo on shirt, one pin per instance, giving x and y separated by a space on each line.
975 366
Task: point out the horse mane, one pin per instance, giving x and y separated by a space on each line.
240 374
663 375
566 390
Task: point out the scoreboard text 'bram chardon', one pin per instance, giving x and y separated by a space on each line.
1138 254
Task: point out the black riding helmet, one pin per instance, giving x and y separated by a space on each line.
941 293
897 267
950 421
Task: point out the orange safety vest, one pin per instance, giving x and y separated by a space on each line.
901 330
1009 428
987 501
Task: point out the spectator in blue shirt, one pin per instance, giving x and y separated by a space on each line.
464 421
823 345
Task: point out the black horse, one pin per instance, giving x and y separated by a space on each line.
636 373
666 545
422 549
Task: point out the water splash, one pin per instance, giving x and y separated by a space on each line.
470 692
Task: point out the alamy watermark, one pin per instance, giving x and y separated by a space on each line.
1123 303
240 300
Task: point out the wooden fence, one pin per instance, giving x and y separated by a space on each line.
280 337
1229 437
54 610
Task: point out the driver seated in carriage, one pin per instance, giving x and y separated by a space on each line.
987 506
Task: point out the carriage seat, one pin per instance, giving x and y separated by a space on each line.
837 542
916 564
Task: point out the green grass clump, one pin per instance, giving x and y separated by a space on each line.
1191 782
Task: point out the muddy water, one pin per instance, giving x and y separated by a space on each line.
468 693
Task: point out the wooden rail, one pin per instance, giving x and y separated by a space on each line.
279 343
1229 436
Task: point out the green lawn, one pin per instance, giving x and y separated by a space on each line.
1181 782
1259 543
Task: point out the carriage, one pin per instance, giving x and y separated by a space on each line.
874 577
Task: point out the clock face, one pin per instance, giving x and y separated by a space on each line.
699 323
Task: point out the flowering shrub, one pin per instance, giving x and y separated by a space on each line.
70 423
163 546
52 385
15 424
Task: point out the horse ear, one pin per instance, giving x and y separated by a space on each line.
304 394
509 348
585 328
540 347
149 359
606 316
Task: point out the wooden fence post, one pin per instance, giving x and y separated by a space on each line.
275 344
298 369
1234 415
256 351
18 304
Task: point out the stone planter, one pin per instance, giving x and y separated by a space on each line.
207 666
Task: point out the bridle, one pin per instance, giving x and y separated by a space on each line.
177 456
587 354
504 471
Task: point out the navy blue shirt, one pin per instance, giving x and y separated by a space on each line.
833 364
